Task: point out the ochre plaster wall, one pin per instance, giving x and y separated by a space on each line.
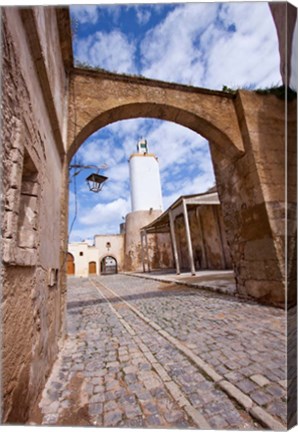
33 303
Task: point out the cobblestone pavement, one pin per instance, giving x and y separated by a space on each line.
140 353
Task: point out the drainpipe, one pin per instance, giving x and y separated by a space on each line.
174 243
188 238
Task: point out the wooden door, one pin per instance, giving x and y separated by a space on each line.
70 268
92 267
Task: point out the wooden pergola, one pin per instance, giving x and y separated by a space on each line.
165 223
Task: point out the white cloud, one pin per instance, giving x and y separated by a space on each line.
169 50
111 51
249 55
212 45
105 217
143 15
99 151
85 14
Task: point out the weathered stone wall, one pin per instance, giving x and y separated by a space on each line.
252 194
32 305
132 243
160 251
210 249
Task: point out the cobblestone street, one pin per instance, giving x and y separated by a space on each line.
140 353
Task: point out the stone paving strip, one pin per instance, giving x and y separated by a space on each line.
245 342
186 383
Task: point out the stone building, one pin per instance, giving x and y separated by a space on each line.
44 122
105 256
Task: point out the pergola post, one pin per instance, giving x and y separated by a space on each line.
173 236
188 238
147 250
204 258
142 251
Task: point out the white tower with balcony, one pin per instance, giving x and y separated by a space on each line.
144 179
146 202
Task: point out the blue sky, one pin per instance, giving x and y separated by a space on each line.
201 44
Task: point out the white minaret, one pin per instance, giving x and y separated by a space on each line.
144 179
146 203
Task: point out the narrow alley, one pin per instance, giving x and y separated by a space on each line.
140 353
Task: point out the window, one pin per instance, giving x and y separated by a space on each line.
27 221
81 253
20 227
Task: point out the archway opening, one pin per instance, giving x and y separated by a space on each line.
186 168
108 265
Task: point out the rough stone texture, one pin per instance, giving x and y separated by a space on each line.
252 193
32 309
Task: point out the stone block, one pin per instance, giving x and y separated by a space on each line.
30 188
260 249
273 192
8 251
12 200
10 224
237 394
26 238
25 257
15 175
269 291
260 380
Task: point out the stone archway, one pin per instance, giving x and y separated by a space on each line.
244 129
100 98
108 265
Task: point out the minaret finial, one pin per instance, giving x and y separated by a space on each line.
142 146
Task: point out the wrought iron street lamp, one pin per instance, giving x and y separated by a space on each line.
95 180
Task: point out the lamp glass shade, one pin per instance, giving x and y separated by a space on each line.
95 182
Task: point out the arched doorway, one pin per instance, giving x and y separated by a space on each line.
108 265
92 267
70 264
